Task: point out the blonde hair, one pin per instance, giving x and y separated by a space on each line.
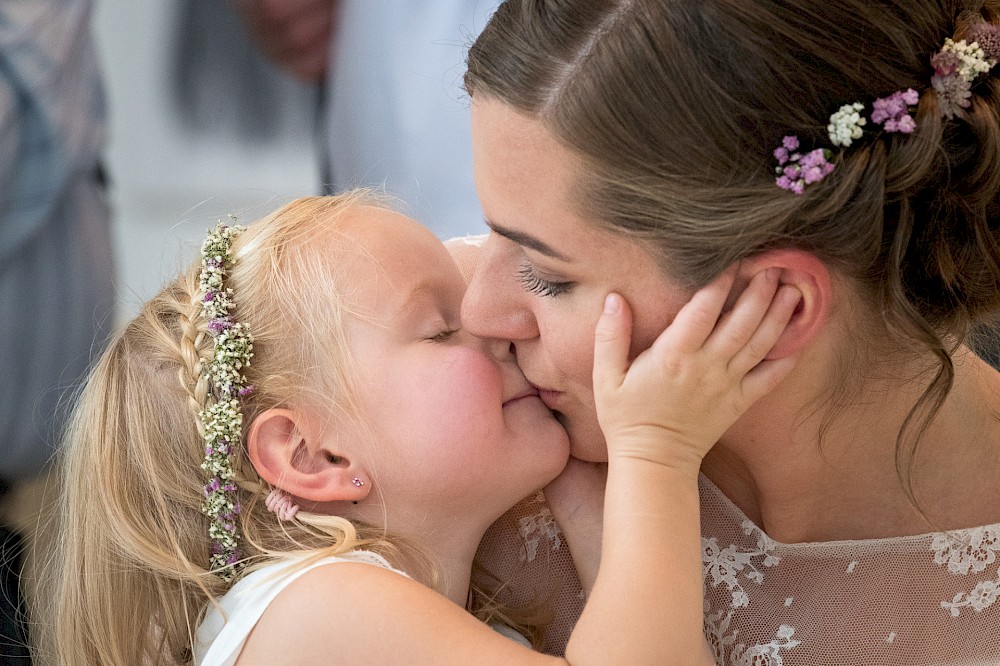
133 577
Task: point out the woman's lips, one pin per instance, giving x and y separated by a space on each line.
552 399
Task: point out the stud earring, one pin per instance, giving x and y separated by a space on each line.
357 482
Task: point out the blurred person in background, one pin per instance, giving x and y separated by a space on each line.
394 114
56 291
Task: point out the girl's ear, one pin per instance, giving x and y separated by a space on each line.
287 451
811 277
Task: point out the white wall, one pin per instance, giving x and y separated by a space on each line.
169 185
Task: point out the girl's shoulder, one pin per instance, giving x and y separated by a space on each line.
358 613
229 622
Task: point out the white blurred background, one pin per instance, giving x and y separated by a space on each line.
239 139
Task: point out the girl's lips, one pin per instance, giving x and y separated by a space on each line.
530 393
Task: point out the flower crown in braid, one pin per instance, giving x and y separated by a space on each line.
221 421
956 66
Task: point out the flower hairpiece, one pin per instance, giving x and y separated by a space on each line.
796 170
956 66
222 419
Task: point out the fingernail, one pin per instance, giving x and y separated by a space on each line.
611 304
791 294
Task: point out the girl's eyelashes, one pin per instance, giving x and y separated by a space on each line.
537 285
443 336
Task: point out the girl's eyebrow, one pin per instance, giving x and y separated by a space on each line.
526 240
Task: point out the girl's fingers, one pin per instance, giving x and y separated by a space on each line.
765 377
612 338
738 326
696 320
768 332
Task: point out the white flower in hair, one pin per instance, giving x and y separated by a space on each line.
845 125
972 60
221 420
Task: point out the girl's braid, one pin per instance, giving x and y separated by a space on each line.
193 349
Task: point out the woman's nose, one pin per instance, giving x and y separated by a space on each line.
495 305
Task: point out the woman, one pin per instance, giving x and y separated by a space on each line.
850 516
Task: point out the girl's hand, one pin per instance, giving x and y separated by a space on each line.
676 399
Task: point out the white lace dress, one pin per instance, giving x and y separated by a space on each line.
913 601
926 599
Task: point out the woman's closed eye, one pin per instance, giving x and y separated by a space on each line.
534 284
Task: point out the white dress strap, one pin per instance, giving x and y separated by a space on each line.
224 631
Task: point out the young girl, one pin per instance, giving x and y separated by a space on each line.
317 360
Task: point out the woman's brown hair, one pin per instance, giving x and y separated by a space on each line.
676 107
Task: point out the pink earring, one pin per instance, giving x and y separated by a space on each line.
357 482
280 503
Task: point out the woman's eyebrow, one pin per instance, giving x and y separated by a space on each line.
526 240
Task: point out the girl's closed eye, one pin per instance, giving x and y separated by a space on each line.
444 335
535 284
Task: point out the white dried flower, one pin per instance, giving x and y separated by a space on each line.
845 125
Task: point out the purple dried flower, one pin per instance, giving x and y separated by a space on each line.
813 158
906 125
217 326
814 174
790 184
953 94
987 36
781 154
800 170
894 111
945 63
246 390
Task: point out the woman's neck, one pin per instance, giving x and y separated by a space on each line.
848 484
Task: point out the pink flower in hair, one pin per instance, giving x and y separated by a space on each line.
987 36
815 166
893 112
795 170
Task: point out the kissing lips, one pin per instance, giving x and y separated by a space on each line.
529 393
550 398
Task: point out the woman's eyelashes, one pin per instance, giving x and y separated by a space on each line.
537 285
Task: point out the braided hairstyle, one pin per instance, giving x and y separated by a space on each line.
133 564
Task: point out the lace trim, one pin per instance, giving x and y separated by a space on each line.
538 526
969 551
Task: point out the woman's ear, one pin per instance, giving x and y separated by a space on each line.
287 450
811 277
